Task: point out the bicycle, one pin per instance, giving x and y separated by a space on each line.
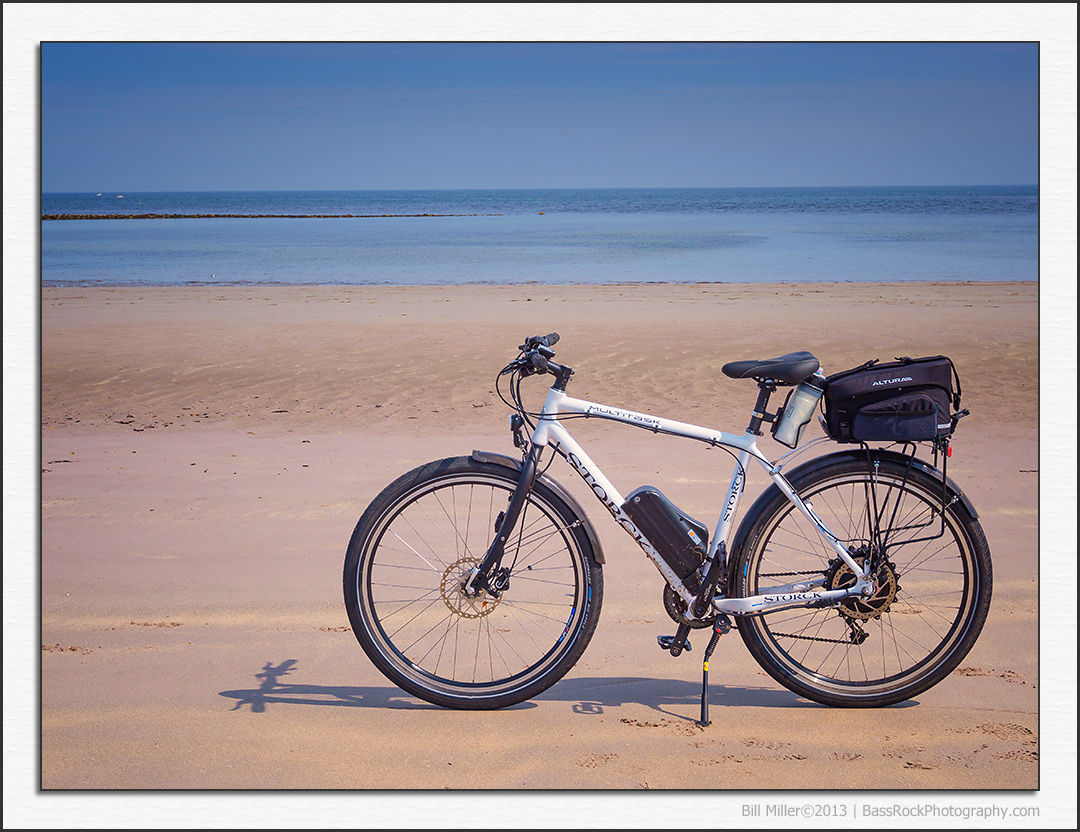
860 579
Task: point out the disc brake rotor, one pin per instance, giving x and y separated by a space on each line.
453 594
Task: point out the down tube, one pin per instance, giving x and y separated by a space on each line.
551 433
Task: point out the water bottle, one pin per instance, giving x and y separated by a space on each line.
799 410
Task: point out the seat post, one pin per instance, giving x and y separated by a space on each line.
766 387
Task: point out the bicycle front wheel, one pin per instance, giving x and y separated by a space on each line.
932 582
408 560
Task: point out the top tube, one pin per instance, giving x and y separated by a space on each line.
559 404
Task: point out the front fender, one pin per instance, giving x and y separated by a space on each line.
493 458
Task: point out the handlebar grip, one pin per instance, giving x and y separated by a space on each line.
548 340
539 363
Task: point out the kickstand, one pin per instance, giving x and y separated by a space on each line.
721 626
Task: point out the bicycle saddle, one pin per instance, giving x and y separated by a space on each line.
787 369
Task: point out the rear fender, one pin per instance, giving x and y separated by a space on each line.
812 466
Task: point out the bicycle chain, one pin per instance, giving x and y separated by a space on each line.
792 635
853 639
785 574
813 638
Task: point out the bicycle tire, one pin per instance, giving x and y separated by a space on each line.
932 599
409 555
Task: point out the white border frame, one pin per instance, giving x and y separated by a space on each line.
1053 25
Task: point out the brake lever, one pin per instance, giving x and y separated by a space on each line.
516 364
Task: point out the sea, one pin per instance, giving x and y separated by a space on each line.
547 236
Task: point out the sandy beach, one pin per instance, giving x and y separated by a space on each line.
207 451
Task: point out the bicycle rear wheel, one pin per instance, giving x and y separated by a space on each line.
409 557
932 591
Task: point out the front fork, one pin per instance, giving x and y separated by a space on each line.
490 576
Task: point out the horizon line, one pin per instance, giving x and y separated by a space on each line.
548 188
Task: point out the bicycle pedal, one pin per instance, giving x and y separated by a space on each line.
668 643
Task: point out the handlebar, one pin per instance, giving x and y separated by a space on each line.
535 359
549 340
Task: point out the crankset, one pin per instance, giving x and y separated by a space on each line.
676 608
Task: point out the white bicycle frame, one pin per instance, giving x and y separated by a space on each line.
550 432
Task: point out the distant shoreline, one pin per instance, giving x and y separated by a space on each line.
812 286
243 216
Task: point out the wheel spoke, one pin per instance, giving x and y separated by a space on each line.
925 586
434 635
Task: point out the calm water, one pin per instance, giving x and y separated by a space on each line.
549 236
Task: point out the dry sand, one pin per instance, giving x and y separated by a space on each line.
207 451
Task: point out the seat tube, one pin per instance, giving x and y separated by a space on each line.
759 414
731 503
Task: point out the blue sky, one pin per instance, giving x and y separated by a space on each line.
215 116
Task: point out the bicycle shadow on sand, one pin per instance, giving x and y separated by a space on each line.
589 696
672 697
273 691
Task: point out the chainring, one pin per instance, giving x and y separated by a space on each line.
676 608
